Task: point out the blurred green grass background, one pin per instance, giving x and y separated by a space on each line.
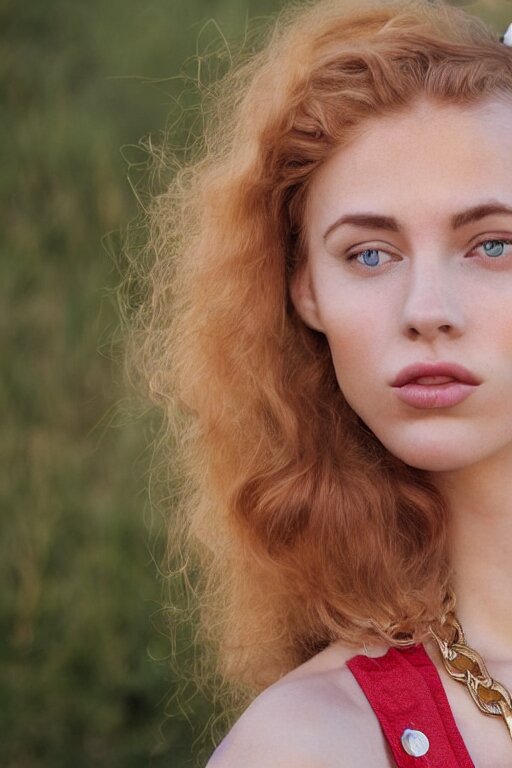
85 678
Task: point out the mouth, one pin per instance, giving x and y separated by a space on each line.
434 385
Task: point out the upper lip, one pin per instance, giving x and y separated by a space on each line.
418 370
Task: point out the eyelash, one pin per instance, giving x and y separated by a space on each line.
353 256
492 240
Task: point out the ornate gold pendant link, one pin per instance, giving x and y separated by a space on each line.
467 666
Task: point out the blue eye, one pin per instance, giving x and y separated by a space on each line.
494 247
369 257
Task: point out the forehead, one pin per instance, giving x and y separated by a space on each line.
431 159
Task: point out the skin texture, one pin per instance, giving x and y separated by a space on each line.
433 294
431 298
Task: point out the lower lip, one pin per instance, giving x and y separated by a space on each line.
434 395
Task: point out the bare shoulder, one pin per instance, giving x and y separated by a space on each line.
314 717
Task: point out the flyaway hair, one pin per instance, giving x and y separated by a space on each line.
304 528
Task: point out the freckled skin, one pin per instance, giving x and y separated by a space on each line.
436 293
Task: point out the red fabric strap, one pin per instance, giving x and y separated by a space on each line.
405 691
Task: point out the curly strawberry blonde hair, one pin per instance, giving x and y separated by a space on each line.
302 527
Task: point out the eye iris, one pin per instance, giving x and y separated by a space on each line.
370 257
493 247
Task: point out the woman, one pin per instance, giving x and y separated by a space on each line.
337 365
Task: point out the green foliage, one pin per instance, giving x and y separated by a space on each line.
84 656
85 676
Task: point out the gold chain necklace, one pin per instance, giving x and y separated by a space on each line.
467 666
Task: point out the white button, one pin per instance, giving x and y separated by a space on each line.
415 743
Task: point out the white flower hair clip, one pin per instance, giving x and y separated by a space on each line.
507 36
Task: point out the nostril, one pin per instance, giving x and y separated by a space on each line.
414 331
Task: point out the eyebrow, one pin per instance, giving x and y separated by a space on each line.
377 221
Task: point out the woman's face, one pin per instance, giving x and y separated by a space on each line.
420 273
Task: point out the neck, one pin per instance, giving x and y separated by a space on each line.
480 501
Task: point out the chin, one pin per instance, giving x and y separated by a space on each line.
434 452
432 462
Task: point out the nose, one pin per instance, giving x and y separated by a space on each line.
431 307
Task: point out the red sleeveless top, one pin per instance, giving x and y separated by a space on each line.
407 696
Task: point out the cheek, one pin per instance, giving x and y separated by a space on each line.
499 325
357 343
358 316
350 352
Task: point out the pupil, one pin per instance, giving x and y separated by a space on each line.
493 247
371 257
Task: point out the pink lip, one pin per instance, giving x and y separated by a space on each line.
460 384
